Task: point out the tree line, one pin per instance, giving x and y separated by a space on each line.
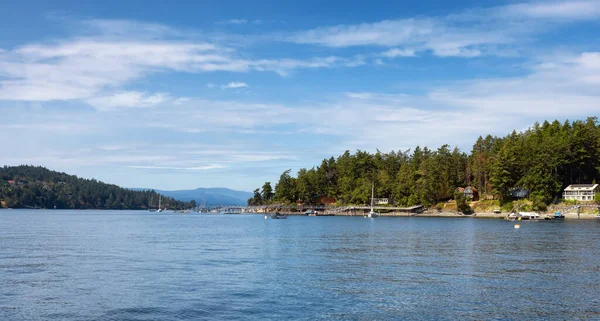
543 160
38 187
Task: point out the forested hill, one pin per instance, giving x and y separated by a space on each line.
543 160
31 186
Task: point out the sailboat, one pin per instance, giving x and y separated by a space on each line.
159 199
372 213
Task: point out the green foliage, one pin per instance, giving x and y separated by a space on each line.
543 160
461 202
267 192
570 202
538 203
597 198
42 188
285 190
507 207
256 200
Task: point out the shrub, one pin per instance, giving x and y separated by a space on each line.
507 207
538 204
570 202
461 203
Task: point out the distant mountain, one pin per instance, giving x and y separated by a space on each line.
209 196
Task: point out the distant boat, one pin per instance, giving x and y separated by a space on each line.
556 216
278 216
372 213
528 216
159 204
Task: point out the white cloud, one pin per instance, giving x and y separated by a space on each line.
195 168
235 84
240 21
130 99
82 70
587 9
470 33
396 52
241 133
86 66
237 21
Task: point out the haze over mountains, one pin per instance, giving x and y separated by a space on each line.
209 196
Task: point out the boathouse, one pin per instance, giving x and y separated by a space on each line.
581 192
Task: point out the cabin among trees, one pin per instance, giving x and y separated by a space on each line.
381 201
470 193
518 192
581 192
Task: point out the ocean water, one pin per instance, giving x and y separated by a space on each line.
128 265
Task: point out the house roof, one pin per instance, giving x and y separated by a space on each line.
581 187
462 189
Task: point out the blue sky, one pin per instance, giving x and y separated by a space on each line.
178 95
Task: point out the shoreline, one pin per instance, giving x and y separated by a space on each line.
482 215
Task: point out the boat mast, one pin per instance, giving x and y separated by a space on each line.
159 201
372 194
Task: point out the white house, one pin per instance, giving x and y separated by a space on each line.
581 192
382 201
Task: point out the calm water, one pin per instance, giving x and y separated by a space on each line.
109 265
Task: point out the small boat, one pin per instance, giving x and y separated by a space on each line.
529 216
372 214
278 216
556 216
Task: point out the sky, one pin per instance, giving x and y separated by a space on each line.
187 94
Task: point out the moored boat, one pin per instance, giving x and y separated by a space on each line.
278 216
556 216
528 216
372 213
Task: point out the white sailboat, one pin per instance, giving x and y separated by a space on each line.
372 213
159 199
